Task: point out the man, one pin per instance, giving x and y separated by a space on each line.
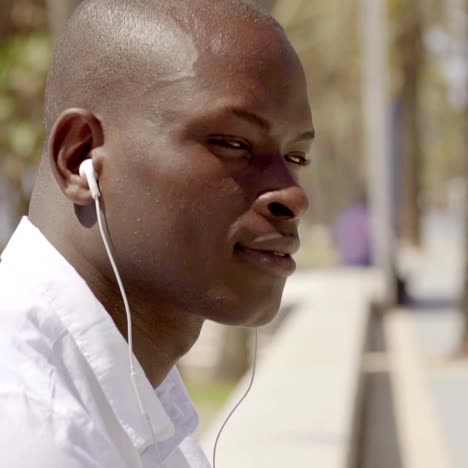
351 233
195 115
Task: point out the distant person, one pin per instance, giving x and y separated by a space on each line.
351 234
188 123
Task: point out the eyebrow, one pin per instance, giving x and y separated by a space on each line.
310 135
250 117
263 123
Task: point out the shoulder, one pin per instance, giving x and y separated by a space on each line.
29 332
35 435
24 308
41 424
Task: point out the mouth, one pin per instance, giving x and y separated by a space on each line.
273 262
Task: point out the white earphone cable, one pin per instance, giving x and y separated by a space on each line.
127 307
240 401
131 363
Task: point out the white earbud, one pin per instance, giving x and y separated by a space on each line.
88 173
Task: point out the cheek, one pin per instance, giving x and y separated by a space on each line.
172 237
178 214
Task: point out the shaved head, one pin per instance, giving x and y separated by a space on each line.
196 116
117 48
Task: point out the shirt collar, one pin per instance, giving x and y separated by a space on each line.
170 410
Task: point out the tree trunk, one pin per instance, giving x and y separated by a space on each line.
5 19
464 301
411 51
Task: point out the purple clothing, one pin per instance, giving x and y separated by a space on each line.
351 235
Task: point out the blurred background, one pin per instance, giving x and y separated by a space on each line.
388 84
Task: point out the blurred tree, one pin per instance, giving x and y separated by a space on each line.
24 58
5 18
409 19
25 52
58 12
464 301
465 160
326 35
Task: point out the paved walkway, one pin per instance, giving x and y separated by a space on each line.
302 408
438 331
435 282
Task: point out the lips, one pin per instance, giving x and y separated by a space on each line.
277 262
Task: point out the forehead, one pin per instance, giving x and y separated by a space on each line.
244 65
213 65
249 56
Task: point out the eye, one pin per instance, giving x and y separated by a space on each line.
230 147
298 158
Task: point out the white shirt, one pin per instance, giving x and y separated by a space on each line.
66 398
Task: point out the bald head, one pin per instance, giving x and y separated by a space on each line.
195 114
119 48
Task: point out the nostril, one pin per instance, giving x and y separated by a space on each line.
280 210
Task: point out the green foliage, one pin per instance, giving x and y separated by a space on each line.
24 60
209 399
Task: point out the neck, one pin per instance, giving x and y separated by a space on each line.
161 335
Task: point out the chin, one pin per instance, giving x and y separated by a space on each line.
264 317
251 307
249 315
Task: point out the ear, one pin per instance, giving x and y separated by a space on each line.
72 139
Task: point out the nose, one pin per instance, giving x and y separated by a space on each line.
286 204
